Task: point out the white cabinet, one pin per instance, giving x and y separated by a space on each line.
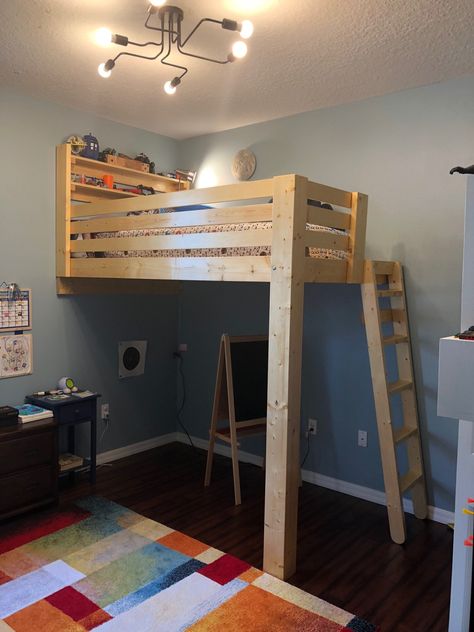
456 398
456 378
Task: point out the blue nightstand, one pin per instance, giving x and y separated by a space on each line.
70 412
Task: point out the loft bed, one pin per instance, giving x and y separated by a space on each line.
284 231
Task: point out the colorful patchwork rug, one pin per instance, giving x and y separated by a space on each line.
101 566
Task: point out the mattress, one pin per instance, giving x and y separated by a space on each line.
236 251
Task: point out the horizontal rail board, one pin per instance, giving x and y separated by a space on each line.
175 268
226 193
325 270
326 217
75 285
321 239
85 197
114 194
323 193
180 219
228 239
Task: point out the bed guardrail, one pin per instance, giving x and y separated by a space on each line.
254 202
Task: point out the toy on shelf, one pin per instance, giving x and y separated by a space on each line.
145 160
466 335
67 385
108 182
77 144
469 541
91 150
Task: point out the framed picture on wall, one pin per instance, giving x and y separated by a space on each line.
16 355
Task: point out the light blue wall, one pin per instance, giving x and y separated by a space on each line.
78 336
398 149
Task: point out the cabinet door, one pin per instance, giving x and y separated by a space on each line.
24 452
28 487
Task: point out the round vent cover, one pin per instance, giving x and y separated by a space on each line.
132 356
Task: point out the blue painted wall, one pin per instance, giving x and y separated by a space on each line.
78 336
398 149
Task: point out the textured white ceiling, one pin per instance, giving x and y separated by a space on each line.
305 54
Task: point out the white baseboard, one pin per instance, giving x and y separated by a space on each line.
135 448
351 489
358 491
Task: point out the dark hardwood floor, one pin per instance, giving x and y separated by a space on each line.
345 555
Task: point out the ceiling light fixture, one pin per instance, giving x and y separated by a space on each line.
168 21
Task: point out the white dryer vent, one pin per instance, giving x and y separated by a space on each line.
132 356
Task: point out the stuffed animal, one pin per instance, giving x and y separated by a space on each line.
463 170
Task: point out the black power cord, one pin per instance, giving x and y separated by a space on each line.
307 450
177 355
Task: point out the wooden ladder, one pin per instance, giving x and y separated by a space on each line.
389 274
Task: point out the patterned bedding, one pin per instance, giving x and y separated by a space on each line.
236 251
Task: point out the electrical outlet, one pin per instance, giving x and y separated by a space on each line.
312 426
362 439
104 412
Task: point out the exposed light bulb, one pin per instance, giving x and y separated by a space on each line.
246 30
103 72
169 88
103 36
157 3
239 49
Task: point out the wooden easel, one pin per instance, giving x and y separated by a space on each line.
226 408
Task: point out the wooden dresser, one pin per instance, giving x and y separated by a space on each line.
28 466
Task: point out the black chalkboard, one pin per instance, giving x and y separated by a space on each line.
249 362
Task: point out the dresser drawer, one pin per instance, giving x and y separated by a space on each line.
28 487
25 452
75 412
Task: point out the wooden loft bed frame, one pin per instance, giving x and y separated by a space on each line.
288 213
287 270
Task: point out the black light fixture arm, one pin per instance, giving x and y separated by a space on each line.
167 63
169 25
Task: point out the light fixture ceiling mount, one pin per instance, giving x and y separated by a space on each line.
167 21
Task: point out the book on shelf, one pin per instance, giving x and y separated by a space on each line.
30 412
69 461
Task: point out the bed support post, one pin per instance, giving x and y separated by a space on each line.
63 210
284 374
355 265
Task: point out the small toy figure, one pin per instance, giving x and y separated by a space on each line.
108 151
91 150
144 158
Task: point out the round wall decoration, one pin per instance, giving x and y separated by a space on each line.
244 164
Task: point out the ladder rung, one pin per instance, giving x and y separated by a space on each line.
392 316
383 267
394 340
399 385
409 479
401 434
388 293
